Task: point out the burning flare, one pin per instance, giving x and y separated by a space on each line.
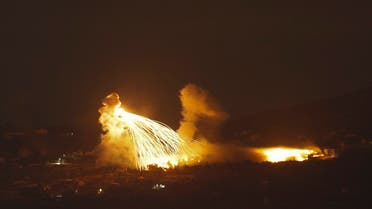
278 154
134 140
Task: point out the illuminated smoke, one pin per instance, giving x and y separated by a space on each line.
197 104
198 107
116 148
131 140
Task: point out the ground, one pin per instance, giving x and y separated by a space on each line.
344 182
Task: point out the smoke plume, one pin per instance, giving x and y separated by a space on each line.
202 117
115 148
198 106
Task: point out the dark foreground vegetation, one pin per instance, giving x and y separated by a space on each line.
345 182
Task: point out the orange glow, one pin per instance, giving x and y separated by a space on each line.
279 154
135 141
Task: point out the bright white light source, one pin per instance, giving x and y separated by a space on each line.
158 186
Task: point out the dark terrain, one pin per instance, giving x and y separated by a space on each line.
345 119
344 182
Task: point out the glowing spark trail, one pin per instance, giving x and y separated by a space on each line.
150 142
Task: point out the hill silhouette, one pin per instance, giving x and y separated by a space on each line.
329 121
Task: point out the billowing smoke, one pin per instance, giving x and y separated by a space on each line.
202 117
131 140
115 148
198 107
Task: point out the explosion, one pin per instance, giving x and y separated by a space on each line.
135 141
279 154
131 140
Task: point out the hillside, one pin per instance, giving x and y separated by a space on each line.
346 118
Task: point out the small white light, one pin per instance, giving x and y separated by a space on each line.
158 186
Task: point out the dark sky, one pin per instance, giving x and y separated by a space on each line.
60 59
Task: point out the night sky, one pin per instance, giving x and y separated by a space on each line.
59 60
